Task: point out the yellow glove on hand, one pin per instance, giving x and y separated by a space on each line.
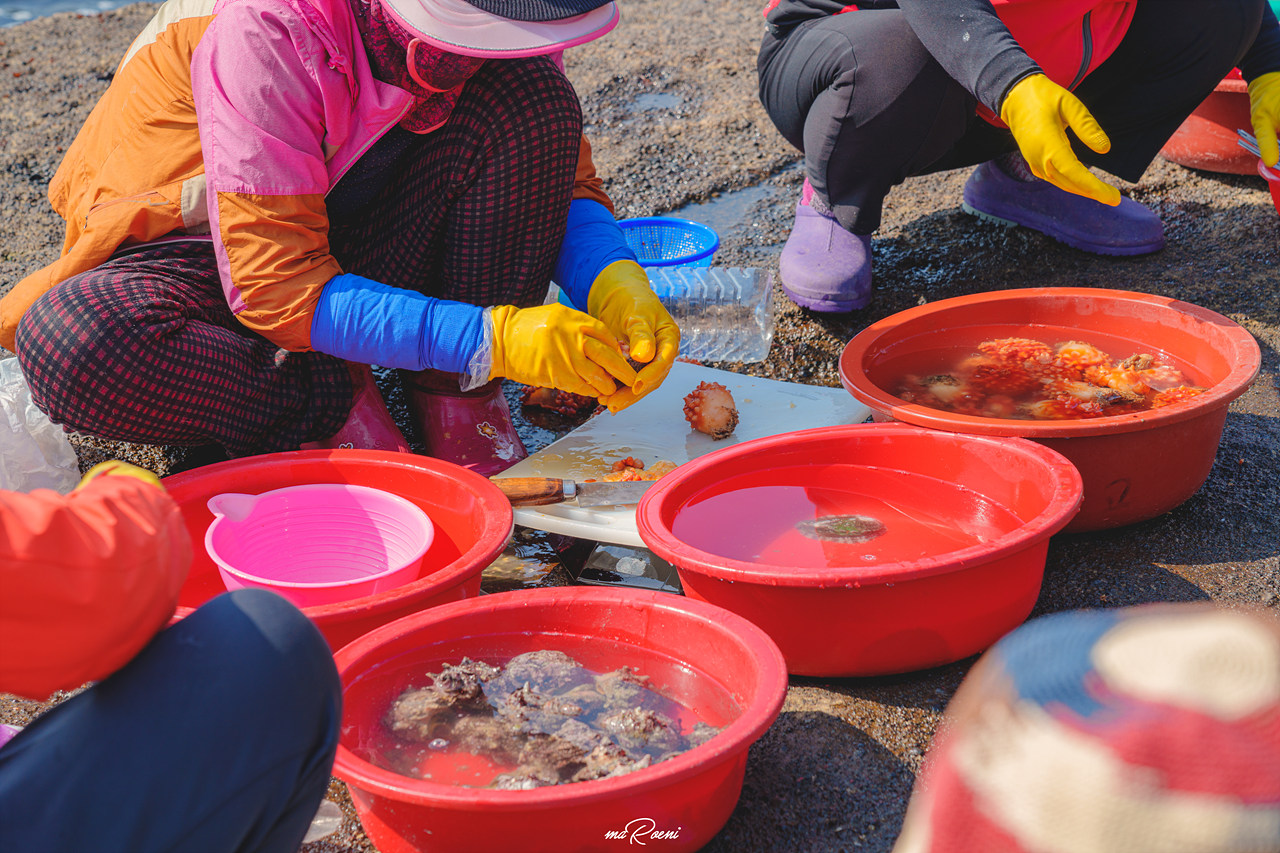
555 346
1038 112
1264 114
116 468
623 300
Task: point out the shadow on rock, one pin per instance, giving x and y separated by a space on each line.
1109 569
926 690
816 783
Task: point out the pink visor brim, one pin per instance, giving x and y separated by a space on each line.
459 27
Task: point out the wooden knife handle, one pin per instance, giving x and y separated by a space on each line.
531 491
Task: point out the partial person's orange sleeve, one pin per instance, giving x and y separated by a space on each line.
586 183
86 580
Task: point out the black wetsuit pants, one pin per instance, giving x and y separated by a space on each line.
869 106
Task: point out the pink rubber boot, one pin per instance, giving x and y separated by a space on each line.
468 428
8 733
369 425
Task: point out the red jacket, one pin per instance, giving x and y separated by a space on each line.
86 580
1066 39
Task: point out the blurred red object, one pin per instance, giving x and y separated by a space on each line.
1207 139
1272 177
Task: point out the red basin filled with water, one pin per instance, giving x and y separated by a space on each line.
472 519
724 670
866 549
1135 466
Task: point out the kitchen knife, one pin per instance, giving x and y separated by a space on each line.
535 491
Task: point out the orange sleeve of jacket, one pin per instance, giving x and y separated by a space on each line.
586 183
86 580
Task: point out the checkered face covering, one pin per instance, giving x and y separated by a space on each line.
434 76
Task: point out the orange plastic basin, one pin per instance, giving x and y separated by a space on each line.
1134 466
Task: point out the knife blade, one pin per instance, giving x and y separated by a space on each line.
536 491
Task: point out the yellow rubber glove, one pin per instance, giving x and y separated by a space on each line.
1264 114
116 468
1038 112
623 300
555 346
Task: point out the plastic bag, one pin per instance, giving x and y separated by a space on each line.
34 451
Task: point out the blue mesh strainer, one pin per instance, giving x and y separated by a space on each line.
664 241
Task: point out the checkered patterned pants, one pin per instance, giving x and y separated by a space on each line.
144 348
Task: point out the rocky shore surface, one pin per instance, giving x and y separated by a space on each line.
670 105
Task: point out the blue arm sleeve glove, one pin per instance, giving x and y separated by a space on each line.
592 241
362 320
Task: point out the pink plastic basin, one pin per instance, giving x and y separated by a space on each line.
320 543
721 667
958 562
1135 466
472 520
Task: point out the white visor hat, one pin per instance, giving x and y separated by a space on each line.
497 29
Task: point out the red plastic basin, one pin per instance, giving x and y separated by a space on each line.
966 520
473 522
1135 466
720 666
1207 139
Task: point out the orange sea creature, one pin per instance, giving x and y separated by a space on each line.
561 402
710 409
632 469
1026 378
1140 374
1062 408
1169 396
1017 350
1081 355
995 376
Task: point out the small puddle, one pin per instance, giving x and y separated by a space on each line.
657 101
732 209
727 210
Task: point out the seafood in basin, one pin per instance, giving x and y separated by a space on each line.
542 719
710 409
1030 379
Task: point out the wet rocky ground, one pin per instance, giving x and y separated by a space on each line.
669 103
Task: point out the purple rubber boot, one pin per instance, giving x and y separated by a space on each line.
998 191
468 428
823 267
369 426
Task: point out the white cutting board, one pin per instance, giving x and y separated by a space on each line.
654 428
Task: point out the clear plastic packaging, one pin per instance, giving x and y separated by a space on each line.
724 313
35 453
622 565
